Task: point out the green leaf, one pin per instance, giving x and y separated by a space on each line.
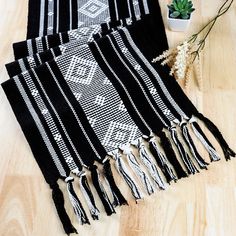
190 5
185 9
171 8
185 16
175 5
185 2
186 6
175 14
180 5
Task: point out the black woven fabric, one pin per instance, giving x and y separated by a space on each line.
86 94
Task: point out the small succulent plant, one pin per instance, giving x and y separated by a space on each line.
181 9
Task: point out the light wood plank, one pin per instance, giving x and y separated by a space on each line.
200 205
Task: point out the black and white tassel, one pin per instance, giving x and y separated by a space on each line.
118 198
187 137
75 202
228 152
214 156
120 165
138 170
162 161
58 199
183 154
101 191
87 193
171 156
149 163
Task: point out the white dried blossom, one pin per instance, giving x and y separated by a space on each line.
182 60
178 59
164 55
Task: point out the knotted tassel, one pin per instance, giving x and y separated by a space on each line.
117 195
214 156
162 161
75 202
187 137
87 193
183 154
58 199
228 152
120 165
170 154
138 171
101 191
149 163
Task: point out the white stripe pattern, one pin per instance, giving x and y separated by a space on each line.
42 15
40 127
154 72
50 25
143 75
49 120
74 113
139 84
126 91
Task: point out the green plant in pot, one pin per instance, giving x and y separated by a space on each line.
179 14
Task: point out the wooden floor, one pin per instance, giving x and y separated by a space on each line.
204 204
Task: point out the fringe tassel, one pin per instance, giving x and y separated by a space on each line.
120 165
117 195
101 191
183 154
162 161
138 171
228 152
170 153
84 186
149 163
77 206
58 199
214 156
186 135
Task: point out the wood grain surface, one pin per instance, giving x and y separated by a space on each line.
204 204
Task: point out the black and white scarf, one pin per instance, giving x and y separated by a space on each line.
90 95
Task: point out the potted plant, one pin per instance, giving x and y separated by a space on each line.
179 14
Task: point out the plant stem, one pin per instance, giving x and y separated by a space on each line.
218 15
201 43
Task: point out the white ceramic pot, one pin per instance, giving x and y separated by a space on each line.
179 25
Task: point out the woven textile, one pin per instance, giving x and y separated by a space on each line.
89 96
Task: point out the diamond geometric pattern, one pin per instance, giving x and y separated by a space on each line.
166 111
83 75
44 111
81 70
153 91
93 8
57 137
34 92
117 132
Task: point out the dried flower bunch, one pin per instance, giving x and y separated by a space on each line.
181 9
185 58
